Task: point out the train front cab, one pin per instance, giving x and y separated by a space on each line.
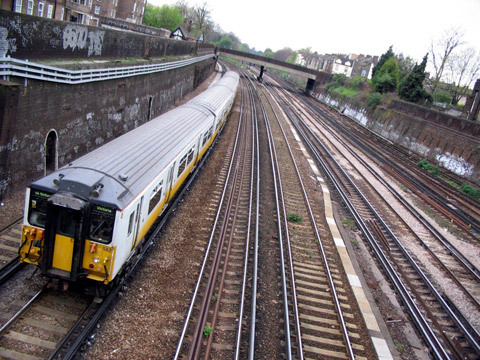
67 237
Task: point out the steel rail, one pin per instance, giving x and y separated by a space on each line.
210 242
22 310
343 325
255 156
10 268
468 266
421 322
274 163
238 181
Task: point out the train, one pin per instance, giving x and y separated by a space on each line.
85 221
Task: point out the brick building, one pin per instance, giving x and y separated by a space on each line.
87 12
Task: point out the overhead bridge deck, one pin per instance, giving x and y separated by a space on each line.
264 62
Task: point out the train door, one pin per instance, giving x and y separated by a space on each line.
168 185
136 228
63 234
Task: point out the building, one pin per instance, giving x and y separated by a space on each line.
349 65
86 12
183 33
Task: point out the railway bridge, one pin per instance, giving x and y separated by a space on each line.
264 62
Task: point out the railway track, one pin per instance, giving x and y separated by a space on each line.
442 344
435 191
10 238
432 244
323 320
214 324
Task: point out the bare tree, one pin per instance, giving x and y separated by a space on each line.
442 49
185 10
461 69
201 16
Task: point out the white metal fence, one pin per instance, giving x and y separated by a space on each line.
30 70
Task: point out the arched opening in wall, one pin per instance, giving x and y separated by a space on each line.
150 100
51 143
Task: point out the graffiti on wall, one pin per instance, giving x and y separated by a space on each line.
5 43
79 37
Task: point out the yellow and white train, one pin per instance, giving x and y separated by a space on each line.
86 220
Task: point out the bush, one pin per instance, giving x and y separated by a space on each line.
374 100
357 82
471 191
338 80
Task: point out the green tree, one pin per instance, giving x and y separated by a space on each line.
382 60
166 17
411 88
386 77
225 42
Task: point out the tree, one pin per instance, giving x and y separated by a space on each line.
386 77
461 69
225 42
411 88
441 51
201 16
167 17
405 66
382 60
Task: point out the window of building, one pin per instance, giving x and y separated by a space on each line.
18 6
50 11
114 13
90 2
134 6
62 14
97 9
40 9
30 7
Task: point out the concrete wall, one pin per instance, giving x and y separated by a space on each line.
83 117
450 142
34 38
79 117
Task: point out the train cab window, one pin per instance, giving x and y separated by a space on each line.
67 222
37 211
101 224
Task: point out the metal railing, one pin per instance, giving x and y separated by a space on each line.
31 70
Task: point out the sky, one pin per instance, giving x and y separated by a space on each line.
345 27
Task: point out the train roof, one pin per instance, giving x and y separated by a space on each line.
122 168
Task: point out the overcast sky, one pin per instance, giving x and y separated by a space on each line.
347 26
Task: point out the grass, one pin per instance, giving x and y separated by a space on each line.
349 223
466 189
294 218
207 330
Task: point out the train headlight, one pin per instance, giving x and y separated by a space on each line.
96 260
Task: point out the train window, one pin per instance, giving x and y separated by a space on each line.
207 135
38 208
67 222
191 152
183 165
156 196
101 224
130 222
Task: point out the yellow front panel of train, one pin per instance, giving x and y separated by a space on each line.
63 253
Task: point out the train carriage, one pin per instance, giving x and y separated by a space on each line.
85 220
